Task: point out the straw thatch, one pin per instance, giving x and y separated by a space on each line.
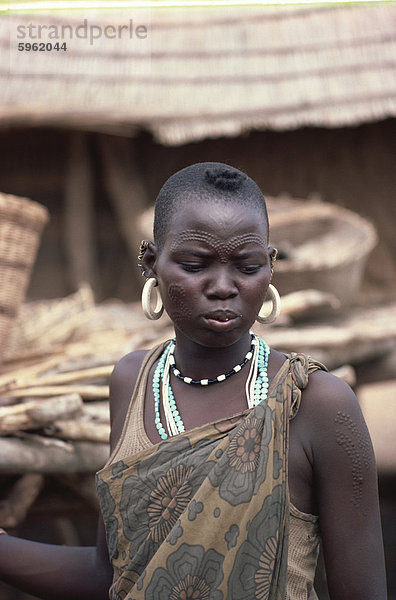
210 72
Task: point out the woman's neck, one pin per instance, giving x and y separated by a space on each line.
202 362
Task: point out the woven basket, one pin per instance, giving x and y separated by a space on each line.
324 246
21 223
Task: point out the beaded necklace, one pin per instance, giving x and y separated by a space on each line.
256 386
217 379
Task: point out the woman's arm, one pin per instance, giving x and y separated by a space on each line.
64 572
345 481
56 572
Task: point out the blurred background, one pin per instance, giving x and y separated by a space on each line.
303 99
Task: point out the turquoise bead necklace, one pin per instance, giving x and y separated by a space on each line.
257 385
158 380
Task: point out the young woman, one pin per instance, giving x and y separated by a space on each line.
228 458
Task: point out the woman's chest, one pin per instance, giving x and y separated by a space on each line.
197 407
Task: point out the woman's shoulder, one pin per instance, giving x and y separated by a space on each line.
126 371
323 395
331 419
326 394
128 366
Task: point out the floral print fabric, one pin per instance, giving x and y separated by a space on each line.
204 515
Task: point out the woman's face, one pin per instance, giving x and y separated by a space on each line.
213 270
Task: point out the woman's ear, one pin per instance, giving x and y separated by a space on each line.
147 258
273 252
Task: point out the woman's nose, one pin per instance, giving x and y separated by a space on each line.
222 285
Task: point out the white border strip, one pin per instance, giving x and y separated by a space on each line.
149 4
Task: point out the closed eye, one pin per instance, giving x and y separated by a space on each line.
192 267
250 269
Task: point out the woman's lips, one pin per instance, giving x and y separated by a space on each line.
222 320
222 314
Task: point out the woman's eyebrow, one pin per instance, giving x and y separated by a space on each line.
184 249
244 253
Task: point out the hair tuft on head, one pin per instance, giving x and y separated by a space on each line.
225 178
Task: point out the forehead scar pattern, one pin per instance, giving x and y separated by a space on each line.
357 447
223 248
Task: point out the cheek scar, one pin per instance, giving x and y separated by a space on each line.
223 248
180 310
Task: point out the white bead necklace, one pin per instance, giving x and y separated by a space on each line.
217 379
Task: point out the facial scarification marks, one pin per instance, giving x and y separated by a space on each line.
223 248
180 310
357 446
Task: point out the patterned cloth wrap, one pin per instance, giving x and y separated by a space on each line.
204 515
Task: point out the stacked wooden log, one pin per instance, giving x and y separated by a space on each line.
54 382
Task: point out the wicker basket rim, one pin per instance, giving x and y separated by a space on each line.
22 209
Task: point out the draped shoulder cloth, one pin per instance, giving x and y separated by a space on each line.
204 514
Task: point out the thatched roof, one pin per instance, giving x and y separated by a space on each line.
206 72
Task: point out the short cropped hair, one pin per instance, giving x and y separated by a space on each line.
206 181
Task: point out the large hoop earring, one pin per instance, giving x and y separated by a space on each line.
151 314
276 306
